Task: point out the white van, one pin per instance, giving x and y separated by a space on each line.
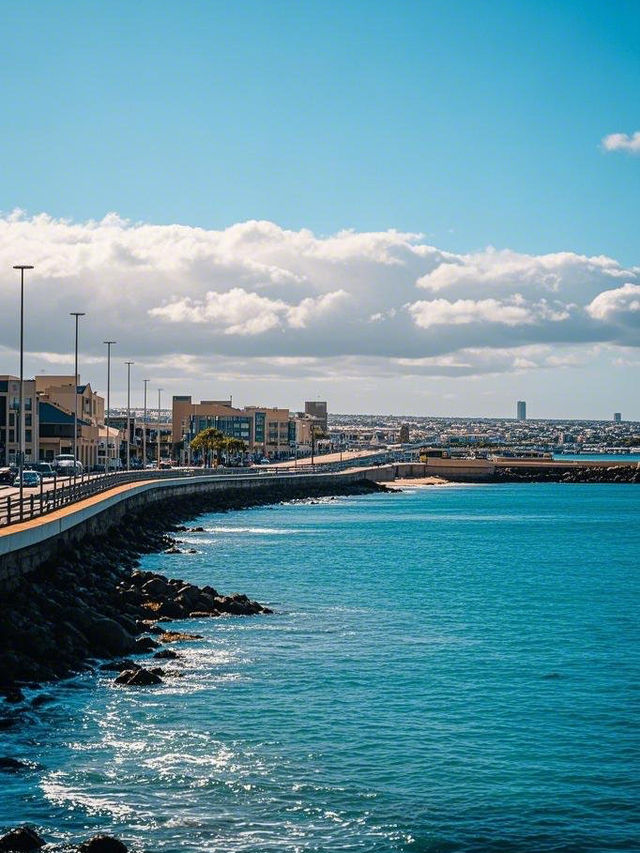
67 465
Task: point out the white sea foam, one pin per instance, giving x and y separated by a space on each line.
265 531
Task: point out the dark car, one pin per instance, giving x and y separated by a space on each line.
7 475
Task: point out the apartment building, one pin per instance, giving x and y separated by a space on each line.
265 430
10 420
57 407
271 431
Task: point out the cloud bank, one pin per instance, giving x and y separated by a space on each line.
622 142
256 299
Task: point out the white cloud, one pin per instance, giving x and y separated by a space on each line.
235 312
441 312
190 299
621 304
622 142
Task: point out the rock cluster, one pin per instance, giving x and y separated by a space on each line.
25 839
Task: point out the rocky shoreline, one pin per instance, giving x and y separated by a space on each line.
46 633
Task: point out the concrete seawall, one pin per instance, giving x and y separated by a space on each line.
24 547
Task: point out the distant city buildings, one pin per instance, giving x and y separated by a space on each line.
521 410
268 432
617 417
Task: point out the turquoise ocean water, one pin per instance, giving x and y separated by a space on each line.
448 669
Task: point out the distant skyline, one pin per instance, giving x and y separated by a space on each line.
411 207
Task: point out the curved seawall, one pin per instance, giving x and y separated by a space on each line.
24 547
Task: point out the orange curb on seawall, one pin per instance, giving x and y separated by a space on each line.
72 508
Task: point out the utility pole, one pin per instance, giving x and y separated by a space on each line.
144 424
159 391
20 424
129 363
77 315
106 419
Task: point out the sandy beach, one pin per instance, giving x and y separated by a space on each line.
404 482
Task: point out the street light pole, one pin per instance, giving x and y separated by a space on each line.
77 315
144 425
109 345
20 424
159 390
129 363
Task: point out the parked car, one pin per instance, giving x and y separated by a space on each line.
67 465
7 475
43 468
30 479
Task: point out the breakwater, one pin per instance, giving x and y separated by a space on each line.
507 470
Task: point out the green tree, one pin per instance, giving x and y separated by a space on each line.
208 442
234 446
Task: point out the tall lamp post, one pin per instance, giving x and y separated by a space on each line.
159 391
20 424
77 315
129 363
144 425
109 345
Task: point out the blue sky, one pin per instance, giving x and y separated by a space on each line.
474 124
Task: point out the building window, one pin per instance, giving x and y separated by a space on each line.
27 420
12 436
27 435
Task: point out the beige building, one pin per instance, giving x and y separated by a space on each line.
60 390
10 420
266 431
183 410
271 435
57 399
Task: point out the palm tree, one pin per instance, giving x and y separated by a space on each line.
233 446
209 441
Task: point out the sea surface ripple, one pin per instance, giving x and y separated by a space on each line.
447 669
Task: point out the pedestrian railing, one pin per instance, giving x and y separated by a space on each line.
57 492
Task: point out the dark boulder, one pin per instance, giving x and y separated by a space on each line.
11 765
22 839
172 609
14 695
140 677
166 654
155 587
103 844
145 644
106 635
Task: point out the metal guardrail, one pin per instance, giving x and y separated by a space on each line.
62 491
